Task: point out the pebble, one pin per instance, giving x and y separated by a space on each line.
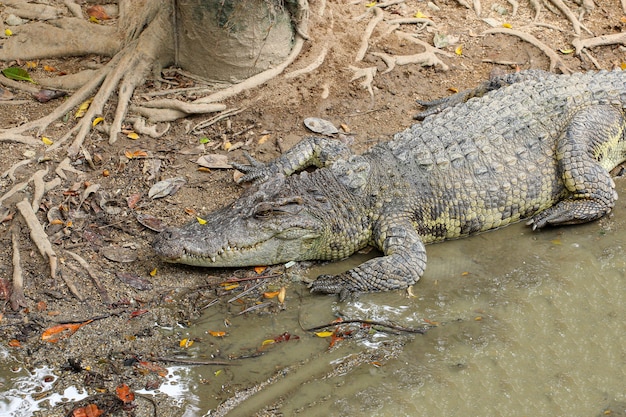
13 20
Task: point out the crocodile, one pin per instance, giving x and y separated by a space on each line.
530 145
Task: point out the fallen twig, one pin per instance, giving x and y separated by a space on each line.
71 287
193 361
387 325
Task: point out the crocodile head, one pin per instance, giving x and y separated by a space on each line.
273 222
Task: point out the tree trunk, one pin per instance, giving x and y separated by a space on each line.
231 40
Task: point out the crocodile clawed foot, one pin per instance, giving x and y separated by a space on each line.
254 171
332 284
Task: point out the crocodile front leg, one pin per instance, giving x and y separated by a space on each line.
401 266
311 151
590 145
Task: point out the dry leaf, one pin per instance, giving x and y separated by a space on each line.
217 333
97 12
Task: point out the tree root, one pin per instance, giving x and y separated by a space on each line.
616 38
104 296
555 60
427 58
17 294
378 17
38 235
368 74
571 17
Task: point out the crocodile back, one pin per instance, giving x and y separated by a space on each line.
491 161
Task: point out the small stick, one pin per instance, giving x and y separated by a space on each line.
252 278
241 294
38 235
193 361
17 296
391 326
71 286
104 296
255 307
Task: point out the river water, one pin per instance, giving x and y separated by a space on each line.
528 324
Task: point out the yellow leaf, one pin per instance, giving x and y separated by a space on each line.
31 64
372 4
93 19
153 272
556 242
507 25
8 32
216 373
97 120
230 287
83 108
420 15
263 139
217 333
132 135
185 343
227 145
623 66
281 295
200 220
46 141
323 334
128 154
69 224
459 50
566 51
478 318
268 342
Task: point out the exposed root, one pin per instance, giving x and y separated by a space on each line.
65 165
378 17
615 38
40 188
368 74
11 171
571 17
15 189
555 60
104 296
38 235
426 58
16 134
624 6
71 286
319 60
73 8
515 6
140 126
17 294
67 37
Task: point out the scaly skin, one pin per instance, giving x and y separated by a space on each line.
530 145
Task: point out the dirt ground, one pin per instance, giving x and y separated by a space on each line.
123 343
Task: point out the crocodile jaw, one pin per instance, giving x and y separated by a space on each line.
181 246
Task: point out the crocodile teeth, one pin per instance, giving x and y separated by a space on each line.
213 259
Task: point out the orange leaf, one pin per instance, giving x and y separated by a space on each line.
125 394
55 333
259 269
98 12
217 333
270 294
159 370
90 410
14 343
49 68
